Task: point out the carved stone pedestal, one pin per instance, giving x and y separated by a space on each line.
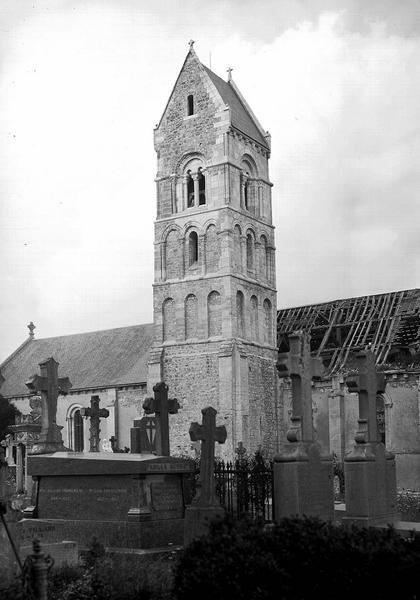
371 486
197 520
303 482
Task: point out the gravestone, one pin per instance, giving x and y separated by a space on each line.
95 414
124 500
303 475
205 505
162 407
143 436
369 470
49 385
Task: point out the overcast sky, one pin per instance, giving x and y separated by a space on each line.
82 85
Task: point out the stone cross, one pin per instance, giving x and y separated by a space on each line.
191 44
367 383
229 72
95 413
302 368
208 434
162 407
49 385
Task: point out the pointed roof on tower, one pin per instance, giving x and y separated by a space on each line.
241 115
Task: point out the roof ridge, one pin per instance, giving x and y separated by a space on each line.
15 352
247 108
54 337
348 298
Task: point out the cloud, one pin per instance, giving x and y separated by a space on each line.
82 86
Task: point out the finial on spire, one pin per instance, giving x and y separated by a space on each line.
191 44
31 328
229 72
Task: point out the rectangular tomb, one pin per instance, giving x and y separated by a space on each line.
129 500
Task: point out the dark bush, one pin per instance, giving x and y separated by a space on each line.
298 559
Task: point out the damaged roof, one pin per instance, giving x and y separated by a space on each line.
388 324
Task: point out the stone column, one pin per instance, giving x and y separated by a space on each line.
19 469
244 254
202 253
173 194
196 188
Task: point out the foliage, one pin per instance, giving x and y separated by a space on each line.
113 577
408 504
297 559
8 413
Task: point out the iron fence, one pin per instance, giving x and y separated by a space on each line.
246 489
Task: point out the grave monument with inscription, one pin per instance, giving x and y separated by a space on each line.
369 469
303 475
124 500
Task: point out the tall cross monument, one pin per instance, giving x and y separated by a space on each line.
162 407
205 506
96 414
303 474
49 385
369 469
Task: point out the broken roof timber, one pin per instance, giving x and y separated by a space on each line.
389 324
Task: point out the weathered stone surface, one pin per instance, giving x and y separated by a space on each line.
122 499
50 386
204 339
205 505
303 472
369 469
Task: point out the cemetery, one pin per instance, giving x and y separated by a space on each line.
210 454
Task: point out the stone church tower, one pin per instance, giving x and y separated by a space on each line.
214 296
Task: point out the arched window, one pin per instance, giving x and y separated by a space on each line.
75 429
201 187
192 248
246 194
237 249
268 323
254 318
214 316
168 319
78 435
190 190
191 317
212 249
172 255
190 105
250 252
240 324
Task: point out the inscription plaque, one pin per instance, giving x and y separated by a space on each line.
85 497
167 494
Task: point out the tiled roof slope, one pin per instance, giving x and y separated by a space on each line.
389 324
241 119
98 359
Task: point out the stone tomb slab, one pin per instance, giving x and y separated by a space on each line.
134 501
